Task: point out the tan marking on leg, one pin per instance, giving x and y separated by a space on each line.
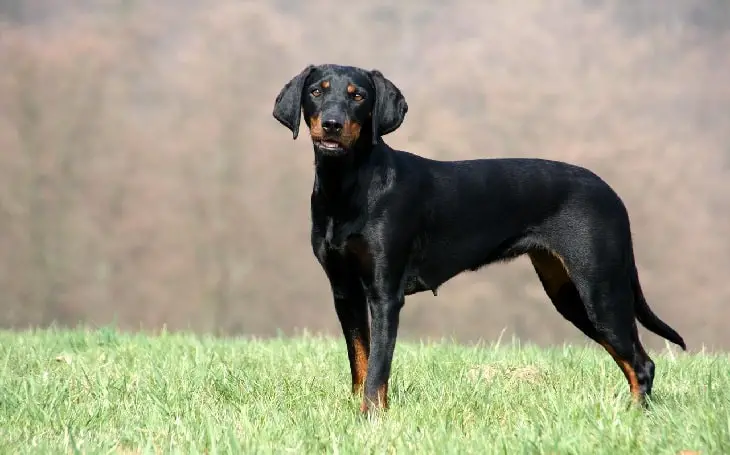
628 371
551 267
360 364
381 399
383 396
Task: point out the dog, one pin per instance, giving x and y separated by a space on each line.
387 223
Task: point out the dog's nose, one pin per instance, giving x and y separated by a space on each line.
331 126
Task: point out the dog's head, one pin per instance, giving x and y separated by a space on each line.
342 106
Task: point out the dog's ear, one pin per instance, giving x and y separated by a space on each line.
390 106
288 104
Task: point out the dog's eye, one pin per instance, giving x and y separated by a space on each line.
316 92
357 96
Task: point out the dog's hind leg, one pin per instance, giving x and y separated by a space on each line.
614 330
561 290
646 368
610 308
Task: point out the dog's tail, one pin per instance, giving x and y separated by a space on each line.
650 320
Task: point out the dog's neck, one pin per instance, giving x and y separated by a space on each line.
336 177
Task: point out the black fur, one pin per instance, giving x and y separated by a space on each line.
387 223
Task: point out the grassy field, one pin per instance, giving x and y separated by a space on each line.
106 392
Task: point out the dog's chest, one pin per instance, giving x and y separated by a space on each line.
333 236
336 233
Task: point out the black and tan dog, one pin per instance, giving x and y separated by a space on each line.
387 223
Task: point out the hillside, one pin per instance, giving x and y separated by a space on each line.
106 392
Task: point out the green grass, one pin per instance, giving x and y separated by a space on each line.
107 392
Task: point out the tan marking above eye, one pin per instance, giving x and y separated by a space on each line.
352 90
325 84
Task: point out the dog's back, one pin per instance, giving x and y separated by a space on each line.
474 212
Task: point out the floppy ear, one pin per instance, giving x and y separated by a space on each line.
390 106
288 104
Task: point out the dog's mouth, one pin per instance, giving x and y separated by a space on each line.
329 146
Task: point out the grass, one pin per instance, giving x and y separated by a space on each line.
107 392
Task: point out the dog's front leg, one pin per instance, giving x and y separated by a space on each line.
352 311
384 310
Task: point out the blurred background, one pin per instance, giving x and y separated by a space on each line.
144 182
